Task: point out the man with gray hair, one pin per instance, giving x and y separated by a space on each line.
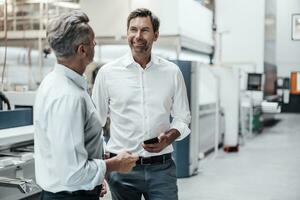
68 159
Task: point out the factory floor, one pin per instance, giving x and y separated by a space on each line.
267 167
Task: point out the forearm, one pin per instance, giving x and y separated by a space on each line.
172 135
123 162
182 127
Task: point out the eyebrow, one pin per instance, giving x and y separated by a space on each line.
145 27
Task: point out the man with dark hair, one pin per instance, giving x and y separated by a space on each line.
68 157
139 92
144 13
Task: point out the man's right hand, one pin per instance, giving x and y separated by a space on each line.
123 162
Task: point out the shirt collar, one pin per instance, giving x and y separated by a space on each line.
72 75
128 60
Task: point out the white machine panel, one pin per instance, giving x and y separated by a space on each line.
229 97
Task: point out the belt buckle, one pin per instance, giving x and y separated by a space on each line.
145 160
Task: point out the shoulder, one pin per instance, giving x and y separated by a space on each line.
56 86
166 64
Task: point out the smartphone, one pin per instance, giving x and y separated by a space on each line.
151 141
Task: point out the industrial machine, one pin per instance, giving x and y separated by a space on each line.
294 94
229 97
4 100
205 134
16 153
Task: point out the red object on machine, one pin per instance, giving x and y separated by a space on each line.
294 83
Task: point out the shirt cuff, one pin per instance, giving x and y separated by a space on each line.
182 128
100 175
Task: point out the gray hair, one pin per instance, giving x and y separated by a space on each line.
67 31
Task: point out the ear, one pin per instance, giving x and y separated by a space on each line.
80 49
156 34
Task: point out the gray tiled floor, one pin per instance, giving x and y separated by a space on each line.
267 167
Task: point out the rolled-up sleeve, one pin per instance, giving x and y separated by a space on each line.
71 164
180 109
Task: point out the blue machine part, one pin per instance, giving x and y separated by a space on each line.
16 118
181 152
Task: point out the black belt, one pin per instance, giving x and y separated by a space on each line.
161 159
96 191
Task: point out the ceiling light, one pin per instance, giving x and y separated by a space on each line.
67 5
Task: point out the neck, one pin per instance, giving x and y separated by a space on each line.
73 64
142 59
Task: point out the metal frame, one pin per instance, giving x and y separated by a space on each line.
295 35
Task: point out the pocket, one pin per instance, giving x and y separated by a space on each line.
172 169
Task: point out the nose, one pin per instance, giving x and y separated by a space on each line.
138 34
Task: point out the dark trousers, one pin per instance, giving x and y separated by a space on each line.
77 195
154 182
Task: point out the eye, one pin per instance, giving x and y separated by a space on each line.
145 30
133 29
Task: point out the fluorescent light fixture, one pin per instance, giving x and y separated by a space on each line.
67 5
269 21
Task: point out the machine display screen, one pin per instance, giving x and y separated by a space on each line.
254 81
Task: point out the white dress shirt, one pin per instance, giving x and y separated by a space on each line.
67 134
140 101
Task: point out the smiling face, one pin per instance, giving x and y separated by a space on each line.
140 36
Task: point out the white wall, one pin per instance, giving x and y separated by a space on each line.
243 20
166 11
288 51
108 17
195 21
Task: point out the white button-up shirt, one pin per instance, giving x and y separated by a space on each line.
67 134
140 101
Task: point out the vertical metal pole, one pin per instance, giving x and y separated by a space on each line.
251 114
5 47
40 45
217 121
220 48
178 47
217 115
14 5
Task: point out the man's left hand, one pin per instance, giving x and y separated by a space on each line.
165 139
103 189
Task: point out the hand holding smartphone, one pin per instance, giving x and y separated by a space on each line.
151 141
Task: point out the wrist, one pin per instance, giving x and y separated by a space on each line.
172 135
112 164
